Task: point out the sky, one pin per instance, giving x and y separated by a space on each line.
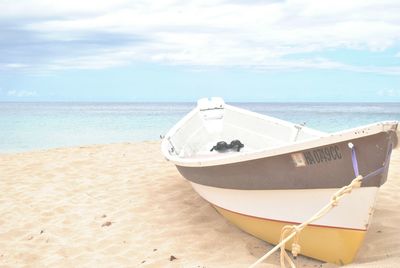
165 50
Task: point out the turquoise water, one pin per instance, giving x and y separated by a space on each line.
32 126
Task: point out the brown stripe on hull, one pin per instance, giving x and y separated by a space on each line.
329 166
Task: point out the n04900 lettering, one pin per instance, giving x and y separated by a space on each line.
321 155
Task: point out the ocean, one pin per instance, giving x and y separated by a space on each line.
35 126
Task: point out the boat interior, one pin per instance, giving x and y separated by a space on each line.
213 121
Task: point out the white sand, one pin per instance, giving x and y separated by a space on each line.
123 205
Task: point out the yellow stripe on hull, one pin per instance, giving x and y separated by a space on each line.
329 244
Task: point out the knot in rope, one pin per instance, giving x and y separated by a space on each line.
295 245
356 183
295 249
334 200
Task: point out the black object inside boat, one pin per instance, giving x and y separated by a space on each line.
222 146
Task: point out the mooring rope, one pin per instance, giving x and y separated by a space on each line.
293 231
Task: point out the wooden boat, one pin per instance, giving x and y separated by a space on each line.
284 174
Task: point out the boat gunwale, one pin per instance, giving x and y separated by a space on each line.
323 139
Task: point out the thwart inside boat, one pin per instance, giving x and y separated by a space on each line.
214 121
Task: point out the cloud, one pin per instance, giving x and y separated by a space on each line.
44 34
21 93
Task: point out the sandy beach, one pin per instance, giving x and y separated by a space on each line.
123 205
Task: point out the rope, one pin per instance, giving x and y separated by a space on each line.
293 231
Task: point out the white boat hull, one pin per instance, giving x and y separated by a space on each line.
334 238
295 206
